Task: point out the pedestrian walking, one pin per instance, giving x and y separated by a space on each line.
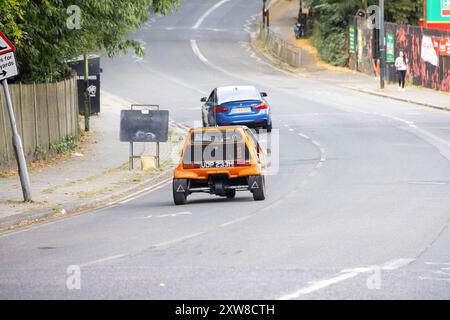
401 64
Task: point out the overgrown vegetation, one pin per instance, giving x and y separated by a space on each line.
69 143
331 18
44 42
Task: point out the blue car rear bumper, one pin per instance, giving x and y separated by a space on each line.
259 119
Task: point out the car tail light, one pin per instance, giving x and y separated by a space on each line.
191 165
242 163
261 106
220 109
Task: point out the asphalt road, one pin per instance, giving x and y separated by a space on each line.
359 207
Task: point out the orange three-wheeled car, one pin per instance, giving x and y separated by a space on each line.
220 161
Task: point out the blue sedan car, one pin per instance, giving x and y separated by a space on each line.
237 105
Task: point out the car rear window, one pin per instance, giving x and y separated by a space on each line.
216 136
237 94
199 153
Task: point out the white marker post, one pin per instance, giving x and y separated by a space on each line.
8 69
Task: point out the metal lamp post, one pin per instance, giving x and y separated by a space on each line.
382 46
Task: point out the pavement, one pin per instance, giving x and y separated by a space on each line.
356 208
284 15
94 174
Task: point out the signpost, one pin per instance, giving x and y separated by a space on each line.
390 48
8 69
144 126
382 46
352 48
437 14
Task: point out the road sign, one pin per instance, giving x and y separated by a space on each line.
144 125
437 14
8 69
8 66
5 45
390 47
352 47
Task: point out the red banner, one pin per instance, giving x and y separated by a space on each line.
444 48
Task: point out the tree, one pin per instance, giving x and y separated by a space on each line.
11 14
45 43
332 22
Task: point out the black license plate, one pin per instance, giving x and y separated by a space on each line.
217 164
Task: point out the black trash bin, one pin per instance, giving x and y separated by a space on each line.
94 82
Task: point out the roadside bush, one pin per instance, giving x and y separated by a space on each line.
332 49
331 19
69 143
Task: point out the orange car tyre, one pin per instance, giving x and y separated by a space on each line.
180 191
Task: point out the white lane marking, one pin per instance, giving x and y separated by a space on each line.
207 13
434 279
438 263
107 206
409 123
428 183
169 242
174 214
118 256
318 286
248 24
188 28
442 273
227 224
441 144
197 52
160 185
304 136
286 126
345 275
273 205
291 130
396 264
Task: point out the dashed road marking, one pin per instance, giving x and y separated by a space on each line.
304 136
171 215
227 224
115 257
346 274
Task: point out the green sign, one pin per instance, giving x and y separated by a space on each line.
438 11
390 48
352 48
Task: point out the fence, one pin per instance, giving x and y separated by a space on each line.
432 72
45 114
283 49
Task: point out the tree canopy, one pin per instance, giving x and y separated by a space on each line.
39 29
331 22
